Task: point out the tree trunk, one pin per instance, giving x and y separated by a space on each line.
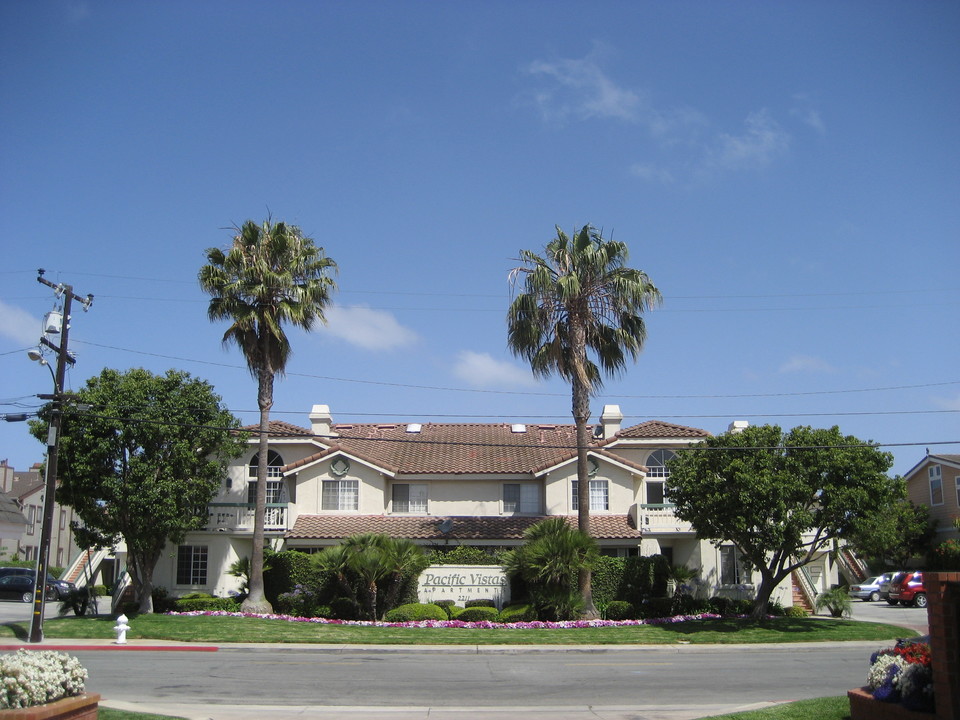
581 414
141 567
767 583
256 602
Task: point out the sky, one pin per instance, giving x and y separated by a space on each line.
786 174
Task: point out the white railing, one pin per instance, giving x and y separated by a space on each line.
239 516
661 518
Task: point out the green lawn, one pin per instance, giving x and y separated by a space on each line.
209 629
111 714
827 708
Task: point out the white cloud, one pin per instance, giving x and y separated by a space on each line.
653 173
19 325
482 370
804 110
367 328
580 90
761 141
806 363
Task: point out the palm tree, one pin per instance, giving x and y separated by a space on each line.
579 299
270 275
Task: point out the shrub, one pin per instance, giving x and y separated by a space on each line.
620 610
31 678
195 596
302 601
795 611
465 555
343 608
449 606
480 602
518 613
644 578
656 608
415 612
479 613
201 604
946 556
688 605
720 605
836 601
607 579
162 602
287 570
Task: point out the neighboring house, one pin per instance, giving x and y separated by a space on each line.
935 482
448 484
27 488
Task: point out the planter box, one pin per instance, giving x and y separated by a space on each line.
79 707
864 707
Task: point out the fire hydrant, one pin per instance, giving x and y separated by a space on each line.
121 629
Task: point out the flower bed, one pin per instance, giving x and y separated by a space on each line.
32 678
903 674
533 625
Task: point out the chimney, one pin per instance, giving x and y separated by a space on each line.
610 420
737 426
321 421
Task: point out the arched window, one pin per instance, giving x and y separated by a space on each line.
657 474
275 487
657 464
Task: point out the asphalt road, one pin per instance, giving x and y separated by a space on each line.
648 683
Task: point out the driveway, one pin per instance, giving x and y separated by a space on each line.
911 617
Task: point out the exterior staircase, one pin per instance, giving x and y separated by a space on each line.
803 592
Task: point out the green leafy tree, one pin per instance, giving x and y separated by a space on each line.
142 462
550 560
780 498
892 538
579 315
270 276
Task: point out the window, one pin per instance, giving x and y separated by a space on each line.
599 495
340 495
31 519
936 485
63 520
521 498
655 493
274 475
408 498
734 567
192 565
60 557
657 464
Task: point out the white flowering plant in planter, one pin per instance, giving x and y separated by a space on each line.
39 677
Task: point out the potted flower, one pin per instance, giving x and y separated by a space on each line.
45 684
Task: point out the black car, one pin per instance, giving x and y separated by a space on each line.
62 588
20 587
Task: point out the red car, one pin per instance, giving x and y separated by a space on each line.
909 590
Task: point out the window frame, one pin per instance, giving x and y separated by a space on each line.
193 564
935 480
416 503
344 488
529 505
596 484
742 569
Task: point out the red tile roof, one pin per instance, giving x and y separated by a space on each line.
337 527
467 448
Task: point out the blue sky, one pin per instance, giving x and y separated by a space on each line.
786 173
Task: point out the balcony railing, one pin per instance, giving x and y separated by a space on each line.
239 516
660 517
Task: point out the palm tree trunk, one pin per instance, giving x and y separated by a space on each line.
581 414
256 602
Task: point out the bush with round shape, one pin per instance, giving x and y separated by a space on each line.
479 613
518 613
480 602
415 612
620 610
795 611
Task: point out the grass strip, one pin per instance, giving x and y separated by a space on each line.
825 708
218 629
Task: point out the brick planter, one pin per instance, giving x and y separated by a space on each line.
79 707
864 707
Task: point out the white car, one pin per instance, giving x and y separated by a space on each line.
869 589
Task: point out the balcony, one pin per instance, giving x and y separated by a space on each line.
660 518
238 517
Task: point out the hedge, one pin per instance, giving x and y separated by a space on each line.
414 612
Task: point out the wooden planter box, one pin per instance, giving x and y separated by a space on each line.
79 707
864 707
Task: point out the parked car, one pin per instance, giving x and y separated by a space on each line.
20 587
887 584
909 590
62 588
869 589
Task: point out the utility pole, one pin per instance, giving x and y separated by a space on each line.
53 443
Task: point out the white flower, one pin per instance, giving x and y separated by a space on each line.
36 678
